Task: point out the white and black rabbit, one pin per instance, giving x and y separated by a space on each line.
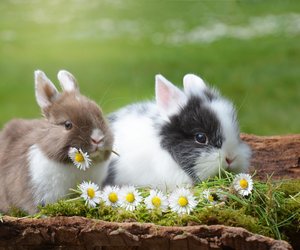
183 137
35 167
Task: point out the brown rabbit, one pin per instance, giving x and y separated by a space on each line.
35 167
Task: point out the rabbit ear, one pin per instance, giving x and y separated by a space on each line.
67 81
193 85
169 98
45 91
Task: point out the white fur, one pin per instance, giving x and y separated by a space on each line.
209 164
193 84
51 180
147 164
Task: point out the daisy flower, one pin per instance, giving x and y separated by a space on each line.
210 197
110 196
80 159
130 198
213 197
90 193
182 201
243 184
156 200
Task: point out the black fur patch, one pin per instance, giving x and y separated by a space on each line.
178 136
210 95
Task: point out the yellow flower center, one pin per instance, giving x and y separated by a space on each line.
243 183
211 198
113 197
79 157
182 201
130 197
156 201
91 192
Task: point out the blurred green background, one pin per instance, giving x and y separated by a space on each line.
250 50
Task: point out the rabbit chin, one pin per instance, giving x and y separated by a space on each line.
208 165
100 155
211 163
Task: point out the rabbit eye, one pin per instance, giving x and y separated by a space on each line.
201 138
68 125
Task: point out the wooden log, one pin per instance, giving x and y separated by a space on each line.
278 156
81 233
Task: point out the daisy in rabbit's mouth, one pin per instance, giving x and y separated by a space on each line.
80 159
83 160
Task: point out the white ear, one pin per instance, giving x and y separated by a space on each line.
45 91
169 98
193 85
67 81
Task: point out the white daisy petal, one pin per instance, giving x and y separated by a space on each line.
90 193
110 196
182 201
80 159
130 198
243 184
156 200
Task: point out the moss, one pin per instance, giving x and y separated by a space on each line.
289 187
209 216
65 208
16 212
290 210
231 217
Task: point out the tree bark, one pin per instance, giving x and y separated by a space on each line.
278 156
82 233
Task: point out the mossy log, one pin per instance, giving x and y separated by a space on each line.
278 156
81 233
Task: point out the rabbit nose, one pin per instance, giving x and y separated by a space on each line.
228 160
96 140
97 136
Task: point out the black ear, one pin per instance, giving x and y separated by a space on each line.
45 91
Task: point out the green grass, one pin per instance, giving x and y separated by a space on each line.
114 48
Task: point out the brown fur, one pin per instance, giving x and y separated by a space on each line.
16 137
51 136
84 114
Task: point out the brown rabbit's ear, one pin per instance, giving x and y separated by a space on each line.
45 91
67 81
